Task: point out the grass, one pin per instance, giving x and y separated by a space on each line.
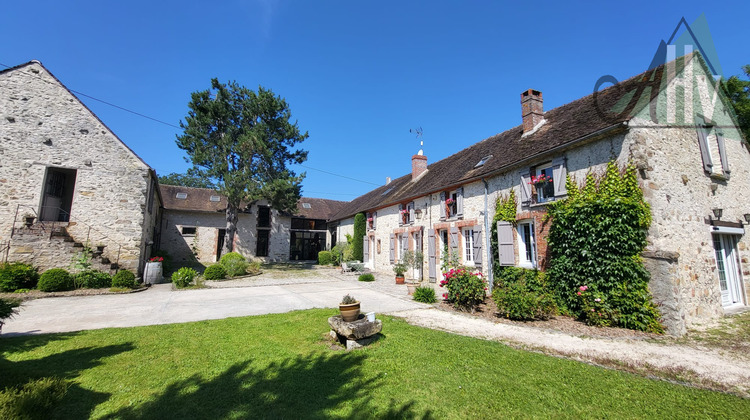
280 366
732 335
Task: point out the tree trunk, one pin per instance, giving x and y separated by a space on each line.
232 211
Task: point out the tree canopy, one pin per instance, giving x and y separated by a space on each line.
185 180
738 91
243 140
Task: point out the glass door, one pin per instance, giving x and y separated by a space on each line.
729 269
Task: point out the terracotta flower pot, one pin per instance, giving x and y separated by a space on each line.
400 279
411 287
349 312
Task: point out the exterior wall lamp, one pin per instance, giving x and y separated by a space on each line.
747 218
418 213
718 212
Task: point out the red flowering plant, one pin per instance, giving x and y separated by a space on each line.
156 259
449 201
595 309
540 180
466 288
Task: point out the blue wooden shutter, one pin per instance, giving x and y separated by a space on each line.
374 220
366 248
460 202
411 212
722 154
559 173
477 239
393 248
703 144
525 187
505 249
454 239
400 216
442 205
431 256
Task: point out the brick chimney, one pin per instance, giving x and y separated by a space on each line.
532 109
418 165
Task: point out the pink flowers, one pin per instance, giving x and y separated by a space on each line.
541 179
597 300
579 293
583 288
449 201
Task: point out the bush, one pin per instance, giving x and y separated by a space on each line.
366 277
215 272
523 294
55 280
34 400
183 277
92 279
466 289
17 276
359 232
253 268
425 295
124 279
235 264
8 308
340 252
325 258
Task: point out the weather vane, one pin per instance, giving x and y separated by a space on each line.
418 133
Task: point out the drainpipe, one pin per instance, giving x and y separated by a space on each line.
487 244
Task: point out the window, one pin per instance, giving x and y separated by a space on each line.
181 196
264 216
444 244
483 161
306 206
469 246
713 151
214 198
261 248
451 203
527 245
543 183
188 230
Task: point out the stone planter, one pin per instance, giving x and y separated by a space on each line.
152 274
411 287
400 279
349 312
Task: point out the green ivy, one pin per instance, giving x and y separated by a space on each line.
505 210
596 239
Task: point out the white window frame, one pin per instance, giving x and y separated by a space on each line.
453 207
540 197
468 234
523 244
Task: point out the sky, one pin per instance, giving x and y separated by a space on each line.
357 75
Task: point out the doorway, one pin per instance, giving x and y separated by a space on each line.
57 195
729 269
220 243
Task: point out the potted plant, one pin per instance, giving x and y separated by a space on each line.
349 308
152 274
399 268
29 219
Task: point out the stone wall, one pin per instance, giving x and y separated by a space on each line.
44 126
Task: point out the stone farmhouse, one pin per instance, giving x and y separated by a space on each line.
66 180
194 226
670 122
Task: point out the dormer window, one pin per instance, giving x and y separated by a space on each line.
181 196
306 206
215 198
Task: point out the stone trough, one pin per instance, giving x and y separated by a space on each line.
355 334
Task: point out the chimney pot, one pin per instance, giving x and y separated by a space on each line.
532 109
387 180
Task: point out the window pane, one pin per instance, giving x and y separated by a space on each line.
264 216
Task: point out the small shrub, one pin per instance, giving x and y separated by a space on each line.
92 279
425 295
8 308
183 277
523 294
366 277
325 258
466 289
124 279
34 400
55 280
235 264
253 268
17 276
215 272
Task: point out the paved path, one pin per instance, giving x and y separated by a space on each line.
162 305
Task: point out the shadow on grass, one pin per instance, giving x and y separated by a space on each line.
77 402
315 386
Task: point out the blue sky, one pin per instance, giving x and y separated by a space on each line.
357 75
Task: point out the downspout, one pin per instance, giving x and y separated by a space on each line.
488 232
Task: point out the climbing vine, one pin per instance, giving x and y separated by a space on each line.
595 243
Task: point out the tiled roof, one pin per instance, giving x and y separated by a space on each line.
199 199
563 126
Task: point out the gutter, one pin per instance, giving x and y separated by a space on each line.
487 233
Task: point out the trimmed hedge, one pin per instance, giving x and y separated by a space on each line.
366 277
183 277
124 279
215 272
16 276
55 280
235 264
92 279
325 258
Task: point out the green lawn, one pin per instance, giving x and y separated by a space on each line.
279 366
